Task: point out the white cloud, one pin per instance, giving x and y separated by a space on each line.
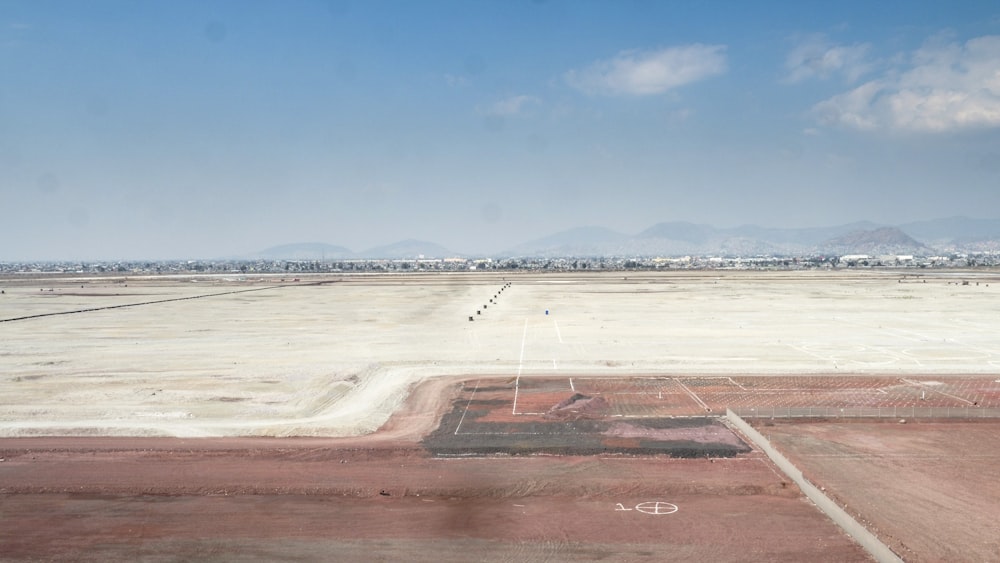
514 105
816 57
852 108
939 88
643 73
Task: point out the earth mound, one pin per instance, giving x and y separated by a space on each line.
578 405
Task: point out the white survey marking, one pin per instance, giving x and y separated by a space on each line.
461 420
520 365
655 508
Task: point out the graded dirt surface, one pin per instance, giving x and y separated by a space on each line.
357 417
484 420
393 495
928 489
120 499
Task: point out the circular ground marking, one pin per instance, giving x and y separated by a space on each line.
657 507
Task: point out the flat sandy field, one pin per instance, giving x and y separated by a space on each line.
335 356
574 417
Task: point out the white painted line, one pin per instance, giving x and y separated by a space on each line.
520 365
693 396
805 351
573 389
466 411
559 334
656 507
922 387
554 364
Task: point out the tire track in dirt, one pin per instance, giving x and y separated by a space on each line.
158 301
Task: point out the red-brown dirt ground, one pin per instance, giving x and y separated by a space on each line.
523 508
465 472
929 489
387 497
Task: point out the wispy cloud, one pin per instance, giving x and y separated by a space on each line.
816 57
644 73
514 105
939 88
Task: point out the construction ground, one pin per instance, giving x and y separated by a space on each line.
514 417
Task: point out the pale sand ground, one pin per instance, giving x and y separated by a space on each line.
338 359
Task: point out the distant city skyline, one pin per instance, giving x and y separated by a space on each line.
221 128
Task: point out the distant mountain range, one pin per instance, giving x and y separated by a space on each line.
679 238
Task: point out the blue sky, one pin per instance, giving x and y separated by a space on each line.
202 129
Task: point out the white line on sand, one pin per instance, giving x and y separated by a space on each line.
559 334
466 411
922 387
817 356
573 389
693 396
731 380
520 364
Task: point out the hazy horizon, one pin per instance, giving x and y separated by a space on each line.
208 129
541 246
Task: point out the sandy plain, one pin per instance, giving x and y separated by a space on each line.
335 356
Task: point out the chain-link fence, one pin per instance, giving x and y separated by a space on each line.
867 412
